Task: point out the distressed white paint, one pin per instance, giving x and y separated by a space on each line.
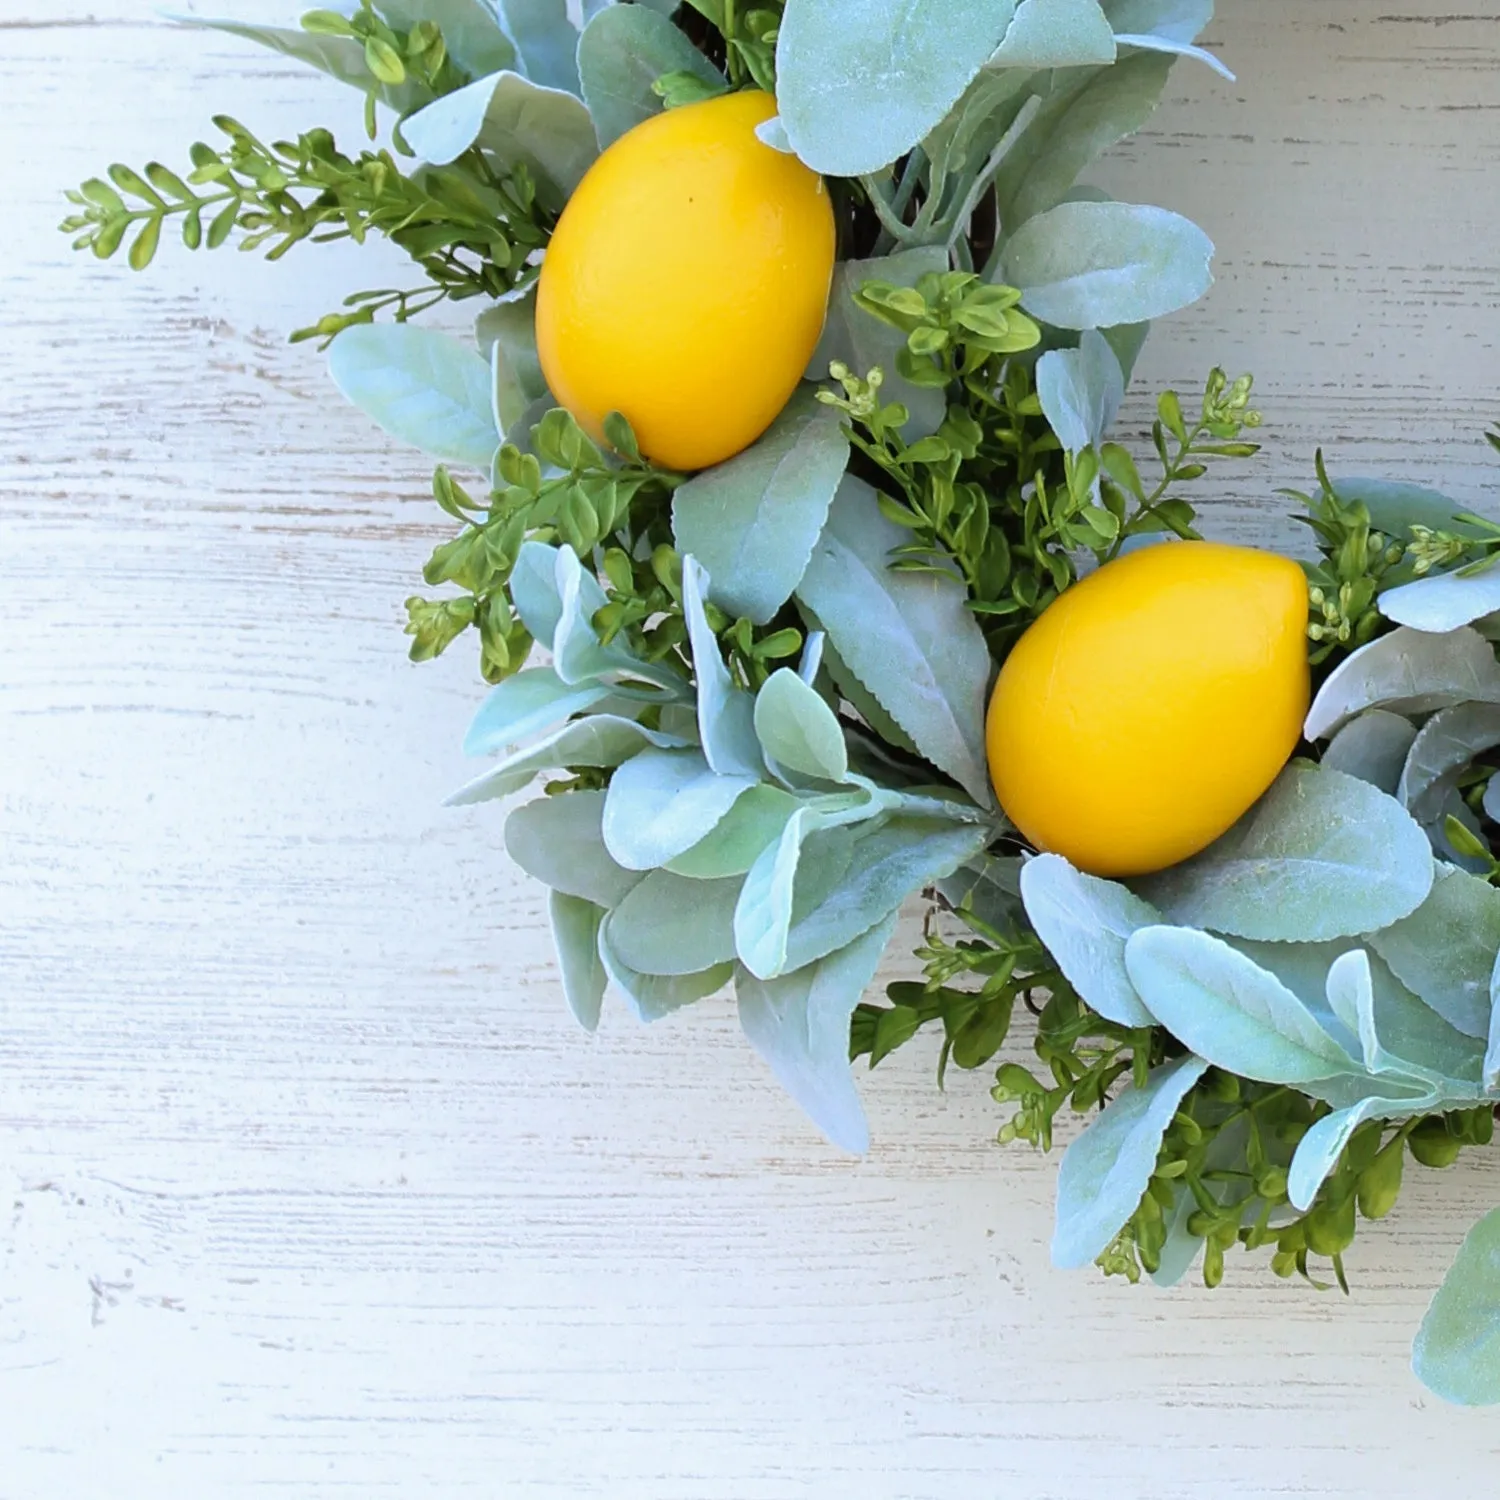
310 1186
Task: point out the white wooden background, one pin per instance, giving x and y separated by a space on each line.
310 1187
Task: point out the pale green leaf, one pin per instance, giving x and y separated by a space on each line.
1056 34
860 82
471 33
1372 747
1091 265
1321 855
1080 390
909 637
1225 1007
752 521
558 840
663 802
670 925
797 729
506 335
545 40
799 1023
1448 742
751 826
575 935
423 387
533 700
726 712
653 996
1084 922
1444 602
1106 1169
622 52
1407 672
1457 1350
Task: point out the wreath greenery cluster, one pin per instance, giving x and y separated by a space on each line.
764 703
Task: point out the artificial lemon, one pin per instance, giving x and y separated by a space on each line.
1151 705
686 283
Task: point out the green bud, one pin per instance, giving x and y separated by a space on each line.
1330 1227
1432 1145
1380 1182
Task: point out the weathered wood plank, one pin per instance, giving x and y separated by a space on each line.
313 1187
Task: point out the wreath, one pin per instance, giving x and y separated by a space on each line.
784 436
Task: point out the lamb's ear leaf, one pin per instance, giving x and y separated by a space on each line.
423 387
535 593
575 935
1092 265
1228 1009
653 996
864 342
800 1024
726 712
797 729
1449 741
1168 26
473 37
909 637
1322 855
624 49
558 840
1396 507
598 739
753 520
517 122
750 827
534 700
1444 602
1056 34
1491 1072
1080 390
506 334
1320 1148
1107 1168
1445 950
545 39
1372 747
663 802
1457 1350
858 87
1084 923
672 926
1407 672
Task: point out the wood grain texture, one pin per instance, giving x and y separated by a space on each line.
311 1188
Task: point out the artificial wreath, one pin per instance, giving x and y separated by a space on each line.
785 438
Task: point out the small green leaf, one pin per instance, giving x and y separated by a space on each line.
144 248
384 62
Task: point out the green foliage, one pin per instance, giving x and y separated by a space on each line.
992 491
742 39
472 231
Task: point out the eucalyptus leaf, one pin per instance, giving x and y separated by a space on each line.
545 40
1445 950
533 700
752 521
421 386
1225 1007
506 335
668 924
1106 1169
726 712
663 802
860 82
887 861
1080 390
623 51
797 729
1083 114
1091 265
1448 742
1457 1350
864 342
653 996
575 935
1372 747
1084 923
596 740
799 1023
909 637
1056 34
558 841
516 121
1321 855
471 33
1408 672
752 825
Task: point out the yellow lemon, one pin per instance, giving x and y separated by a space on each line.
686 283
1151 705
